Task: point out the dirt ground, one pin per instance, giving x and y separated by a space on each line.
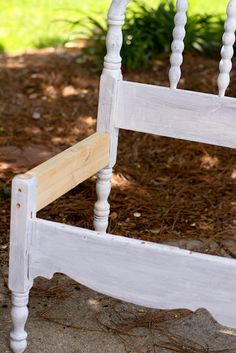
164 190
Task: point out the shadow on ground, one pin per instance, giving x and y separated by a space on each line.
66 317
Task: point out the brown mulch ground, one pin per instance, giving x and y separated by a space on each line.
163 189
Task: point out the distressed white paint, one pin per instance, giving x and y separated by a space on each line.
177 46
180 114
102 207
23 208
227 50
19 314
111 75
153 275
143 273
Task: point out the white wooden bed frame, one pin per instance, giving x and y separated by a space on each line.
152 275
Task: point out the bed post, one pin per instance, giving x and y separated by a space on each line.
177 46
22 210
227 50
111 75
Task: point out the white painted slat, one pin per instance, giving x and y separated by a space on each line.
144 273
180 114
177 46
227 50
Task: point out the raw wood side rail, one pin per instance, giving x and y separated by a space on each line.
67 169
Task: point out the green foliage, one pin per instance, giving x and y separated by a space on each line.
148 33
24 22
5 193
49 41
204 34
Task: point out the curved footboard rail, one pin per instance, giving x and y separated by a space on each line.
143 273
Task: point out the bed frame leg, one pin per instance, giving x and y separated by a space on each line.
23 205
19 314
102 207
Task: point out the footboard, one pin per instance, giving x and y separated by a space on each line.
144 273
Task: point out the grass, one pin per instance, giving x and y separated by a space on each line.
28 24
147 34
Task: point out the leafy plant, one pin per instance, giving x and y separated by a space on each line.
147 33
49 41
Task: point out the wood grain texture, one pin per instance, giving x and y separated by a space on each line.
144 273
180 114
61 173
105 118
23 208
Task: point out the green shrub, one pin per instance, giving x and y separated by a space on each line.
148 33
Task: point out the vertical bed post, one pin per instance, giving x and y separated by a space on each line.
23 205
227 50
110 77
177 46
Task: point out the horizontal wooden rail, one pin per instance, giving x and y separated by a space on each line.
148 274
67 169
180 114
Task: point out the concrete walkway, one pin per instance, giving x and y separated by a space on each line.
66 317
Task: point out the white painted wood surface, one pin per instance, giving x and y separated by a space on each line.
144 273
67 169
19 314
177 46
180 114
102 207
23 208
227 50
111 75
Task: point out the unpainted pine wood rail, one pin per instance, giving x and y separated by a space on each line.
67 169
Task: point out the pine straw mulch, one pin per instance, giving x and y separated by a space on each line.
164 190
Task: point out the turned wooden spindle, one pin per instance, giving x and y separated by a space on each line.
114 39
227 50
19 314
110 76
102 207
177 46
